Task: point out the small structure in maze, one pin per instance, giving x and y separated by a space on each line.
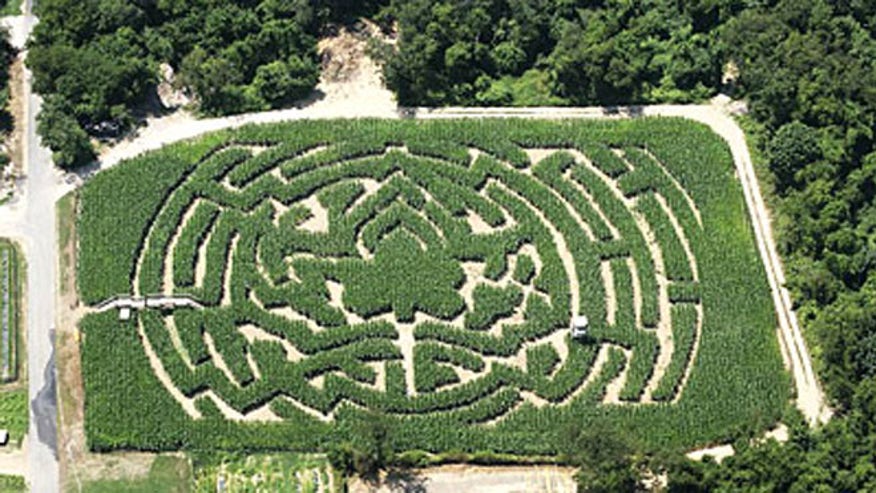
579 327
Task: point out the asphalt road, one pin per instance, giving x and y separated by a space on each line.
30 219
42 189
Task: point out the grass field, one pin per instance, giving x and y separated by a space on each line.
166 475
427 271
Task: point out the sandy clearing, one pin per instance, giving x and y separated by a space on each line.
477 224
370 187
336 296
537 154
379 368
358 94
458 478
719 453
637 290
406 345
253 366
279 209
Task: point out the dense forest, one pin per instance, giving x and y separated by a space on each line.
96 62
806 67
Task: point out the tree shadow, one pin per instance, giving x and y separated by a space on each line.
634 111
314 97
403 480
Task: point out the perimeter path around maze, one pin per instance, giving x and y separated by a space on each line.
810 398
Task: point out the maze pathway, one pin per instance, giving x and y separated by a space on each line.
417 279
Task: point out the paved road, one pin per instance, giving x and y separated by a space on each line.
31 220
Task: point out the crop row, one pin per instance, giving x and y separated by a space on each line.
684 328
266 257
10 304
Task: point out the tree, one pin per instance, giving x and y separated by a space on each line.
607 462
365 448
62 133
794 146
281 82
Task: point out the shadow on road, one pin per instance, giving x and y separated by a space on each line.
45 405
405 481
627 111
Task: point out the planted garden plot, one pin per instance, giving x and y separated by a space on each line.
9 306
428 271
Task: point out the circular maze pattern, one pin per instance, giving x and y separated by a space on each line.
416 279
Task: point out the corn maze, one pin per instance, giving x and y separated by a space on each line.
429 272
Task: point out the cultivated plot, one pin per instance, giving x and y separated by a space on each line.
483 284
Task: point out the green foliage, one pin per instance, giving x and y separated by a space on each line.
605 457
438 223
61 132
12 278
491 304
14 413
524 53
367 451
12 484
96 63
167 473
106 267
402 279
794 146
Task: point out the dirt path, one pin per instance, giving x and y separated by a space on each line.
810 400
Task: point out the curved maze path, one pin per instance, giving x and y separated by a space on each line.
418 279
